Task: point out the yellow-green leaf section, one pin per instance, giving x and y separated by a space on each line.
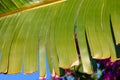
33 30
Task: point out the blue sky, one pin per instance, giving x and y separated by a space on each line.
20 76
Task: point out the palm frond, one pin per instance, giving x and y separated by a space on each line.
32 31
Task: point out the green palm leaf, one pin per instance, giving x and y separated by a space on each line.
33 30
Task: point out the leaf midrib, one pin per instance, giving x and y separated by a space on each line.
31 7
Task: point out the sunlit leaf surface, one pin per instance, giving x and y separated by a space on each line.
69 33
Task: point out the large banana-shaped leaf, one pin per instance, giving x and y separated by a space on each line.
32 31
